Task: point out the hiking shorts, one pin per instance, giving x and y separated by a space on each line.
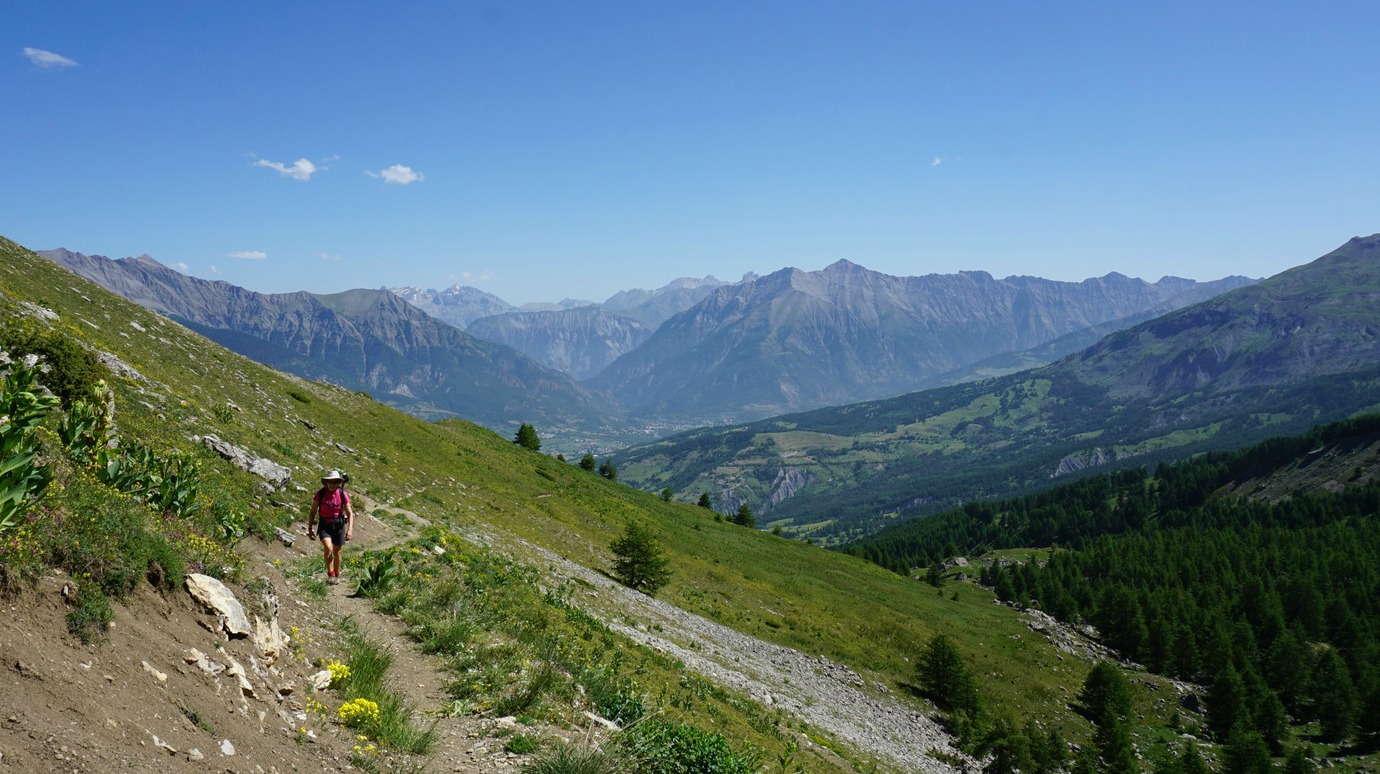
335 530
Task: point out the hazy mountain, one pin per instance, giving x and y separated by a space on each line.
368 340
797 339
458 305
1300 348
581 342
555 306
654 307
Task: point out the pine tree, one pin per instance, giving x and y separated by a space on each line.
1192 763
705 502
935 575
1113 741
1246 753
527 437
1008 747
1106 694
667 494
945 678
744 517
639 562
1225 704
607 470
1298 763
587 462
1334 697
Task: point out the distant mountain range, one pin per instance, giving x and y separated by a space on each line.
369 340
795 340
1276 357
763 346
580 338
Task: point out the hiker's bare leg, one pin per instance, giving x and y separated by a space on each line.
327 551
335 559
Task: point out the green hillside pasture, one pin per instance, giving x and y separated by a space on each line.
459 474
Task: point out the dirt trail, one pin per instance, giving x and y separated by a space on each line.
137 700
464 744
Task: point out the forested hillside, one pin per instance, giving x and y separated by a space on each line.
1209 571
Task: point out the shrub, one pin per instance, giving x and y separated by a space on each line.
614 698
659 746
522 744
22 407
567 759
91 614
74 370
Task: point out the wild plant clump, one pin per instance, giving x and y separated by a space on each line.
114 516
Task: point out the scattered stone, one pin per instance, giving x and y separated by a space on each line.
605 722
195 755
159 676
162 745
246 687
226 748
206 665
276 475
269 640
287 538
215 595
321 680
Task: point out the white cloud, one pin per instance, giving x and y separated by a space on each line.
470 277
301 169
328 257
215 272
47 59
397 175
937 161
182 267
248 255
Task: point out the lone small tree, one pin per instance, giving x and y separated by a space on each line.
946 679
587 463
527 437
667 494
639 562
744 517
1106 694
607 470
705 502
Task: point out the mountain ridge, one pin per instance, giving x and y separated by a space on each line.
1139 395
365 339
794 340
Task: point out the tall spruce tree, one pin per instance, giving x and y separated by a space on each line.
945 679
527 437
639 562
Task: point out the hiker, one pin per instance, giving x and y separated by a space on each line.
337 520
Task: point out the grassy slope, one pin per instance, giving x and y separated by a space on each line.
783 591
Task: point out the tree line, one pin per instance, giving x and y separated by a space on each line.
1273 606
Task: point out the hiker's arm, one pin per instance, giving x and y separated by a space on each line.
311 518
349 520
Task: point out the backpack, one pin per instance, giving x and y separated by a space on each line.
337 507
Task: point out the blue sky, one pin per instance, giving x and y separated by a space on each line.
543 150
